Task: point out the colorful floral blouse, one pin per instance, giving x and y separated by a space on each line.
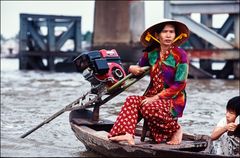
174 73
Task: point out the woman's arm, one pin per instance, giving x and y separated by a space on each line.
172 90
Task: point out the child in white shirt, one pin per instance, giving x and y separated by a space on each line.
228 124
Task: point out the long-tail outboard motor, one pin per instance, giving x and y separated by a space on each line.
100 67
103 69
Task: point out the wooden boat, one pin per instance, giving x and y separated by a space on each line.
93 134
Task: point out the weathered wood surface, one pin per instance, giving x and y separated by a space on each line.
98 142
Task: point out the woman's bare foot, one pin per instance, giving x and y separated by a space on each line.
176 138
127 137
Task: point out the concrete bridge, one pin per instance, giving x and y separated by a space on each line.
119 25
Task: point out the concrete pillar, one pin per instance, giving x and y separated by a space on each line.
118 22
111 22
137 20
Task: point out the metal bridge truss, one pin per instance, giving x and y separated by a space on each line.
44 36
207 43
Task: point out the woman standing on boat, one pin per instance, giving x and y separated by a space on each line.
165 98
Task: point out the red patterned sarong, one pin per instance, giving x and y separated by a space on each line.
160 121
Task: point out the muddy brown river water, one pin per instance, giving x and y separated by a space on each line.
29 97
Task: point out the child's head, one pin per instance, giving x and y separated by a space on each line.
233 109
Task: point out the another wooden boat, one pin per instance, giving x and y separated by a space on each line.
93 134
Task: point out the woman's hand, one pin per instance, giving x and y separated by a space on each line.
149 100
136 70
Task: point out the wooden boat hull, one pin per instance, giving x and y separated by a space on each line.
94 136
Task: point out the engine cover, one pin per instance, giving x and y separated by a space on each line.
104 66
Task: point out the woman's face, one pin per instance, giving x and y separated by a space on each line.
167 35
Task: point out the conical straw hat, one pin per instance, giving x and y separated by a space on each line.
182 32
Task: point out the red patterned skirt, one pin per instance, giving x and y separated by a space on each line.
161 123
